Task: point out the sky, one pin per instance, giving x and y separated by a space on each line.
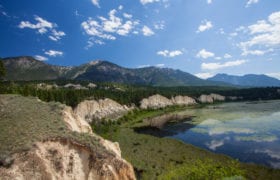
202 37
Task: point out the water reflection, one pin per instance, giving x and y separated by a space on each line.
249 132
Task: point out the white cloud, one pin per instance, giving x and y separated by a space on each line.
218 58
204 54
250 2
108 28
205 25
120 7
159 25
262 34
147 31
221 31
275 75
209 1
227 56
43 26
96 3
41 58
56 35
54 53
148 1
171 54
160 65
255 52
144 66
126 15
215 66
204 75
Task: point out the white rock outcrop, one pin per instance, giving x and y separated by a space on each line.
90 110
183 100
155 102
211 98
66 158
63 159
217 97
158 101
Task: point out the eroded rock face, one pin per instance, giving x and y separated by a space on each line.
74 122
66 159
183 100
158 101
211 98
218 97
205 99
90 110
155 102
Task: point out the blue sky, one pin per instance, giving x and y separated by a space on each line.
202 37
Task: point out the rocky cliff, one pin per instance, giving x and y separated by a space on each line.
211 98
183 100
158 101
55 152
90 110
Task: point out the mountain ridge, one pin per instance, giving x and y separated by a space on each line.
28 68
249 80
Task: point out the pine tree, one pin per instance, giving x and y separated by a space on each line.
2 69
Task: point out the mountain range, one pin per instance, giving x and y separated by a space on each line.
249 80
28 68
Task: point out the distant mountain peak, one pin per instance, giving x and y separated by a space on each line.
250 80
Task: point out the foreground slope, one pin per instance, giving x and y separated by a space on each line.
37 142
250 80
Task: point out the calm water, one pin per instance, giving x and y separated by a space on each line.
249 132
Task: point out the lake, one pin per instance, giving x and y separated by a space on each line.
248 131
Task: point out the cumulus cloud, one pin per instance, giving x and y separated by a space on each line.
250 2
204 26
204 75
148 1
116 24
54 53
264 34
159 25
209 1
144 66
170 54
126 15
147 31
96 3
43 26
204 54
56 35
227 56
256 52
41 58
160 65
215 66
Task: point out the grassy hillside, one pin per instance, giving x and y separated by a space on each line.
26 120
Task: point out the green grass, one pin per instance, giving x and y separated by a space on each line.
165 158
26 120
